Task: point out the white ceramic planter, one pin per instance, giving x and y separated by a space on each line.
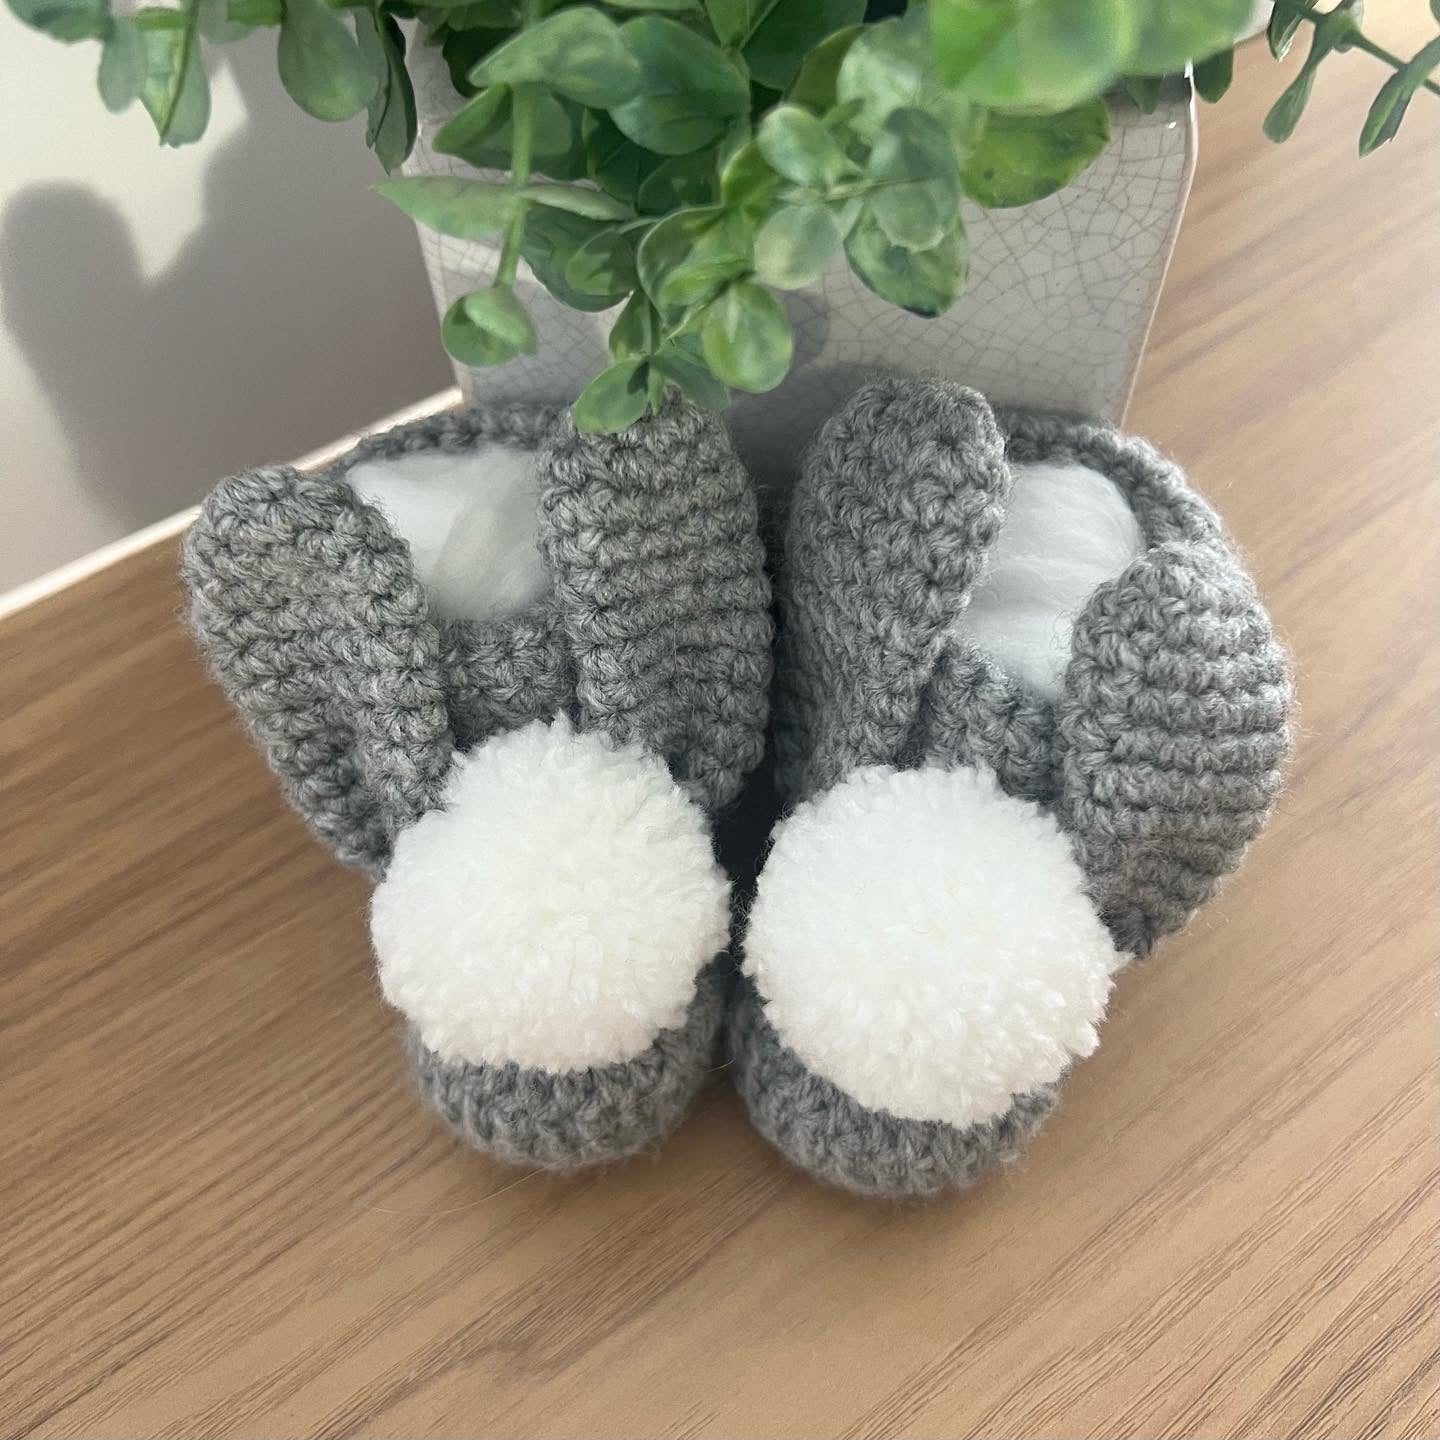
1055 313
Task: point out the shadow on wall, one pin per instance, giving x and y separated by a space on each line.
298 311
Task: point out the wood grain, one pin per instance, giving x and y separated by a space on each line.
224 1215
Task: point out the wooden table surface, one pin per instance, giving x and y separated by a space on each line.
222 1213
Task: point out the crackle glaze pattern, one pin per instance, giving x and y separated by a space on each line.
1055 313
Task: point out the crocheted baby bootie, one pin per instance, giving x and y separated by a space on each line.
512 671
1029 711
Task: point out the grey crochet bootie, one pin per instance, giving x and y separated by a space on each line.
512 670
1029 712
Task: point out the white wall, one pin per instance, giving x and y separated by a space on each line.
168 316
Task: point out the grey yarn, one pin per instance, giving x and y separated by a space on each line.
660 580
308 609
899 498
1164 756
827 1132
580 1117
656 629
1161 760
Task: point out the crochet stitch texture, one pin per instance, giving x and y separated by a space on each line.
1161 760
870 1152
656 629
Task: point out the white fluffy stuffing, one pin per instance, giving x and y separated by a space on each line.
1068 529
557 911
471 524
924 941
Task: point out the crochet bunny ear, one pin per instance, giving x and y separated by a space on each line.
309 611
659 577
898 501
1172 736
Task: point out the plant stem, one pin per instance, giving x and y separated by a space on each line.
1358 40
522 131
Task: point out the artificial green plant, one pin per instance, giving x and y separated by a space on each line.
687 159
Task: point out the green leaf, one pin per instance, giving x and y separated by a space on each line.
549 243
733 20
747 183
1171 33
1388 109
390 127
321 66
915 164
965 33
797 145
795 245
890 67
739 134
925 282
474 124
218 26
747 339
615 399
65 20
579 53
1213 75
1023 158
1382 123
847 212
604 266
565 163
1143 91
789 30
487 142
687 257
461 19
688 93
1048 53
1331 32
883 69
255 12
463 51
691 378
495 14
175 92
122 66
1281 30
1285 113
558 151
579 200
614 161
466 209
674 7
637 331
153 17
814 84
488 327
680 183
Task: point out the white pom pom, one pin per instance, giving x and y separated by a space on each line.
924 941
557 911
